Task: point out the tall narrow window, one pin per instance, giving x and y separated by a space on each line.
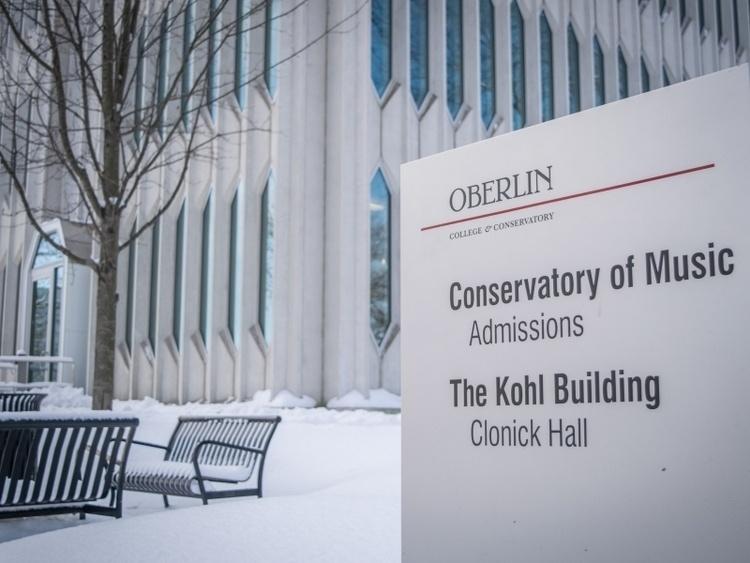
153 286
599 95
241 75
380 44
701 16
188 32
179 253
54 347
487 60
719 22
665 76
380 257
139 83
518 63
212 72
129 302
18 301
271 47
418 50
205 269
736 21
547 71
454 56
683 12
622 74
574 72
163 75
234 257
645 77
662 6
3 276
267 248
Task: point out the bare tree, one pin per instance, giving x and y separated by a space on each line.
78 103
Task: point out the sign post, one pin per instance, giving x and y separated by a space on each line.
575 353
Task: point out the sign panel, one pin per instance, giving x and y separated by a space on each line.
575 358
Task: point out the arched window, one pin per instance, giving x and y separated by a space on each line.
380 257
418 50
518 63
547 74
574 72
47 275
454 56
599 94
267 255
487 60
622 73
380 45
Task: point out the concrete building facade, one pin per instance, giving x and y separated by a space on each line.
278 266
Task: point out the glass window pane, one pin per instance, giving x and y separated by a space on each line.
518 64
178 271
645 78
380 45
622 74
153 284
548 85
3 276
188 33
129 304
380 257
56 311
163 76
46 253
139 81
487 60
205 264
599 94
454 55
233 265
241 76
39 318
574 72
212 72
271 46
665 76
418 50
267 248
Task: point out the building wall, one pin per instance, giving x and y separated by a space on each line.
322 136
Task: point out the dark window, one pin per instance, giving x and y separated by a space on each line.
547 71
129 302
599 93
380 257
622 74
188 32
205 269
233 264
518 64
380 44
418 50
240 51
454 56
574 72
179 253
153 290
645 77
271 47
487 60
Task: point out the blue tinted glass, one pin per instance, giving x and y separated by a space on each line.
153 284
179 252
205 265
240 51
380 257
487 60
548 87
212 71
267 248
418 50
233 263
454 56
599 96
187 73
271 46
46 253
622 74
380 45
163 70
518 62
574 72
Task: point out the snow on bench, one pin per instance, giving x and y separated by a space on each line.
204 451
53 464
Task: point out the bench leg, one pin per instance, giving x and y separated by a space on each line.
82 516
166 501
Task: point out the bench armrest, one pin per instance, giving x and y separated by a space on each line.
150 445
197 450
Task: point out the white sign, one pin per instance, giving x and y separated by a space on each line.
576 348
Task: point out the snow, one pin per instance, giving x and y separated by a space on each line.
331 494
378 399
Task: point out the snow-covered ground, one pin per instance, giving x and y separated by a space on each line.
331 493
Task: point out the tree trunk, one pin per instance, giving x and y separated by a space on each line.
106 316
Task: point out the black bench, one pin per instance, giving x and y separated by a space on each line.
54 464
16 402
207 450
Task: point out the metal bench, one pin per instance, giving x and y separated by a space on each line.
53 464
15 402
204 451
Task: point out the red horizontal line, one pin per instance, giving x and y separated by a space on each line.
573 196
